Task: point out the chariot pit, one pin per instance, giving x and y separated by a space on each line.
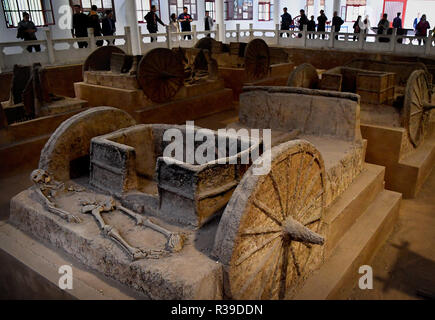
182 230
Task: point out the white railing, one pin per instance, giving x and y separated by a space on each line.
57 51
66 51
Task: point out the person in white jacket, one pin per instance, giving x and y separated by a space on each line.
208 23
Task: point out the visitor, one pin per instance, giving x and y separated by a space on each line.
311 26
94 23
397 24
108 24
416 20
336 23
152 19
80 26
173 23
286 21
303 21
208 23
26 31
356 27
321 23
185 19
421 29
383 26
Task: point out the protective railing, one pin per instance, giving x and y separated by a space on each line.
66 51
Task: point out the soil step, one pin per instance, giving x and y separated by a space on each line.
352 203
339 274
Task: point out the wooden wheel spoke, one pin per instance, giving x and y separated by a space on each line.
295 261
311 205
267 211
283 276
259 231
278 191
310 167
248 254
310 189
296 186
416 112
257 272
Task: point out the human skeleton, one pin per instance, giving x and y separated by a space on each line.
47 189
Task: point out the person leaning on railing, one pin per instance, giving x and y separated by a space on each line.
152 19
26 31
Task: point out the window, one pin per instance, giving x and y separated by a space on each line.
353 9
211 8
176 6
102 6
392 7
309 8
238 9
144 6
265 10
40 11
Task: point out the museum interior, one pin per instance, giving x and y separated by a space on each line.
217 149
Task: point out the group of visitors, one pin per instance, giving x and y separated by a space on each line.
287 22
102 26
421 27
105 26
184 20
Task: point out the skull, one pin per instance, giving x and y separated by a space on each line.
40 176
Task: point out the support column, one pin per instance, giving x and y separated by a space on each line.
316 9
336 7
276 12
220 19
131 21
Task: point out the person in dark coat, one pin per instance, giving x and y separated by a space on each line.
303 20
286 21
108 26
94 23
26 31
152 19
80 26
311 26
321 22
185 19
336 23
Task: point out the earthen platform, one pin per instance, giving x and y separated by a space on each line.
406 167
190 103
236 79
21 143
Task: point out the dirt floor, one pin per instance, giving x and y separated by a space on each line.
403 268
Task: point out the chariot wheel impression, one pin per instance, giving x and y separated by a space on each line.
257 59
304 76
160 74
269 236
99 59
417 106
205 43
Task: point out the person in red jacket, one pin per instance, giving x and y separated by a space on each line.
421 28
